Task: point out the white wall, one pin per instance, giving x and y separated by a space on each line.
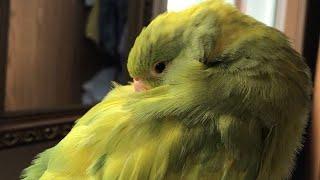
262 10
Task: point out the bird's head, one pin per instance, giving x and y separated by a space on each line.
155 49
213 35
178 37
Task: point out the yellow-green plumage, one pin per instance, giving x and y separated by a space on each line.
232 103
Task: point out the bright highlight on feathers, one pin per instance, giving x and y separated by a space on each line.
230 102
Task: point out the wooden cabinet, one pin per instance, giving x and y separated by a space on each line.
45 54
48 58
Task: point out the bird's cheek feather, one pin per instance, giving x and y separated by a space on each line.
139 85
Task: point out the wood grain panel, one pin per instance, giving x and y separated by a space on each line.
295 21
4 23
241 5
316 124
44 53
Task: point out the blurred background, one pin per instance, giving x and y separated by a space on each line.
58 58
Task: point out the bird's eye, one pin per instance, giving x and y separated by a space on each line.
159 67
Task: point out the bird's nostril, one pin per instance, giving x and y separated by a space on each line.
139 85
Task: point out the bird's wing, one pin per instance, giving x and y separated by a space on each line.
109 142
74 154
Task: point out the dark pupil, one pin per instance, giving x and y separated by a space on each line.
159 68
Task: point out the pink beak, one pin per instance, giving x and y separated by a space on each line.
139 85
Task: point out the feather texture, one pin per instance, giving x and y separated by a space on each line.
232 104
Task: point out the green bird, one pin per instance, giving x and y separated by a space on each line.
216 95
